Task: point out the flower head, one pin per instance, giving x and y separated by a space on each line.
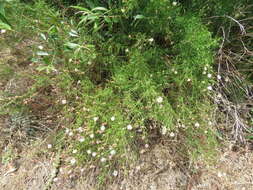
129 127
73 161
159 99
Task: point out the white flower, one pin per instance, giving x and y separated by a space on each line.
188 80
164 130
174 3
127 50
71 133
92 136
64 101
95 119
3 31
94 154
218 77
146 145
88 151
67 131
103 159
175 72
172 134
115 173
197 124
80 129
204 72
210 123
209 75
209 88
49 146
219 95
102 128
159 99
74 151
112 152
151 39
112 118
81 139
41 47
129 127
73 161
205 68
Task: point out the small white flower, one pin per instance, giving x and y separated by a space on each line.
41 47
73 161
205 68
103 159
189 80
115 173
80 129
95 119
210 123
74 151
197 124
55 179
219 174
204 73
164 130
64 101
151 39
88 151
49 146
112 152
219 95
209 75
81 139
159 99
175 72
172 134
127 50
71 133
129 127
67 131
146 145
209 88
102 128
3 31
174 3
92 136
218 77
112 118
94 154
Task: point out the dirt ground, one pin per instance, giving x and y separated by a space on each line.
30 166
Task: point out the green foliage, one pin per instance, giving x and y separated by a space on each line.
126 70
4 23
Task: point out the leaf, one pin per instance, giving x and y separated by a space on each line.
80 8
72 45
43 36
139 17
4 26
99 9
42 53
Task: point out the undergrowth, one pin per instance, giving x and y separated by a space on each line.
126 71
